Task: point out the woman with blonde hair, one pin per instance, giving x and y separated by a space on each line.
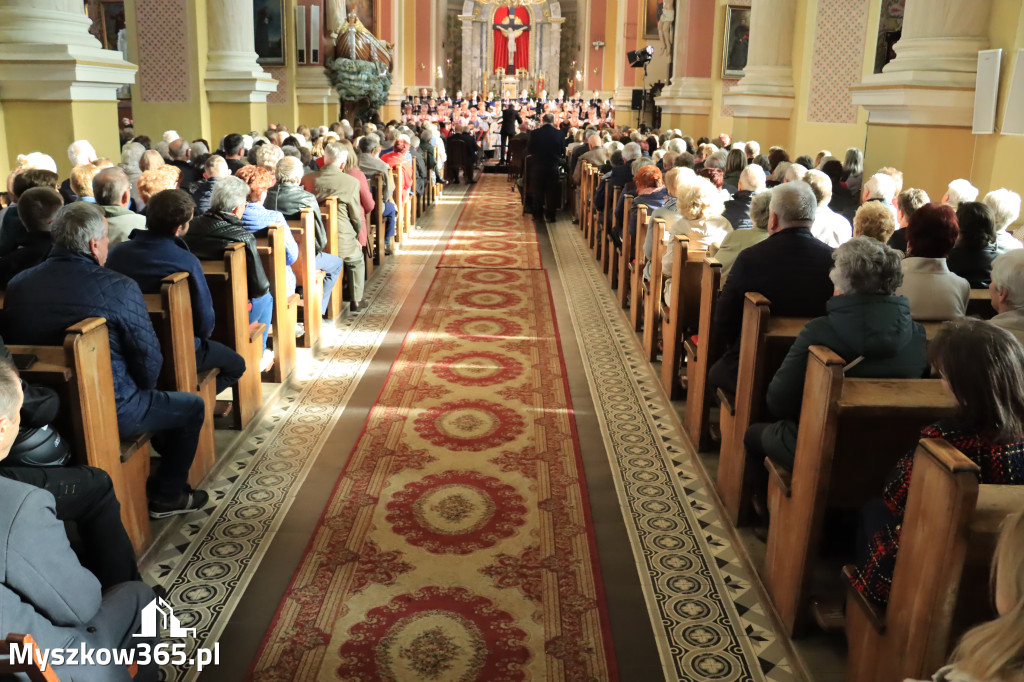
994 651
700 209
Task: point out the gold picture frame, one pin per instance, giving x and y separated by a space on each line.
736 41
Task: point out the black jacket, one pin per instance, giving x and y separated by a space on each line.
971 263
790 268
737 210
190 175
35 250
290 199
620 175
210 233
546 147
202 193
509 118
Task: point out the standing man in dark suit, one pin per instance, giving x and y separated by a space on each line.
545 147
790 268
509 118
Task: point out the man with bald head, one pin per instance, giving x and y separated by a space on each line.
180 152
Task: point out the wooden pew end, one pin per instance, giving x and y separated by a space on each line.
726 400
780 478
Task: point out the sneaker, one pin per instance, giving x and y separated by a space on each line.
188 501
268 360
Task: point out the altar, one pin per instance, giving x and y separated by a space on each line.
537 34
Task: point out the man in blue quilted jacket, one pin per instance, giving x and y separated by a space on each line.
71 285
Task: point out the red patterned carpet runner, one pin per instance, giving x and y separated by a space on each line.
458 544
493 233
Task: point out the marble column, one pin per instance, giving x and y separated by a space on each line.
931 80
232 73
48 55
686 100
553 55
766 89
468 55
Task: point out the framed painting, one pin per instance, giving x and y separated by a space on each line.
736 41
268 27
652 13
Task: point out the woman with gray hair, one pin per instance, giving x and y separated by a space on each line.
131 155
1007 292
739 239
866 324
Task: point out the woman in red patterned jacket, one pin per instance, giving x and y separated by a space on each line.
983 366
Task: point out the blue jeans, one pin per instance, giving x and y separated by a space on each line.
390 213
262 311
175 419
332 267
213 355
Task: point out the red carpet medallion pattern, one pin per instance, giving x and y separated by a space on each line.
457 544
493 232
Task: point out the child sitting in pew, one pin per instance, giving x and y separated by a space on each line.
994 651
983 367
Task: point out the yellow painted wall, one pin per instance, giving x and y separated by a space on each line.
192 118
717 123
63 122
613 38
690 124
233 117
287 113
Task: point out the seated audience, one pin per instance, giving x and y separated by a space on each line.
131 155
214 169
650 192
113 194
71 285
371 166
843 201
908 201
1007 292
1005 207
700 209
81 180
866 324
737 209
12 232
829 226
790 268
935 293
181 158
80 153
210 233
975 248
958 191
399 157
37 207
853 170
233 147
332 181
257 218
157 252
983 367
366 201
756 231
45 589
157 180
874 220
288 198
618 176
882 188
735 162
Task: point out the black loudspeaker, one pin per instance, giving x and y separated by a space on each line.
638 100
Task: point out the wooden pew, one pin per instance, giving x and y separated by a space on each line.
652 292
230 291
589 178
329 210
170 311
852 433
624 264
80 373
638 286
286 307
309 278
681 313
698 357
377 219
764 343
980 304
940 586
610 251
611 199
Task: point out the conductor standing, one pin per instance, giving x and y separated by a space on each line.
509 118
545 148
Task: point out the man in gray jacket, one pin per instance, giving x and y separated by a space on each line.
45 591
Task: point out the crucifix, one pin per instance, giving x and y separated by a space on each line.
511 31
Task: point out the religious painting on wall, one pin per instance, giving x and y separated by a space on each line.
268 26
737 41
651 17
511 40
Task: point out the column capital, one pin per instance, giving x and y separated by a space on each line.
37 71
313 87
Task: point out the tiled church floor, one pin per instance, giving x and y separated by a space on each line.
682 600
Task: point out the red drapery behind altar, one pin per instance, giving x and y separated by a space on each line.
522 42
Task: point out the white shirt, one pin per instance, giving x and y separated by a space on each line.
830 227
